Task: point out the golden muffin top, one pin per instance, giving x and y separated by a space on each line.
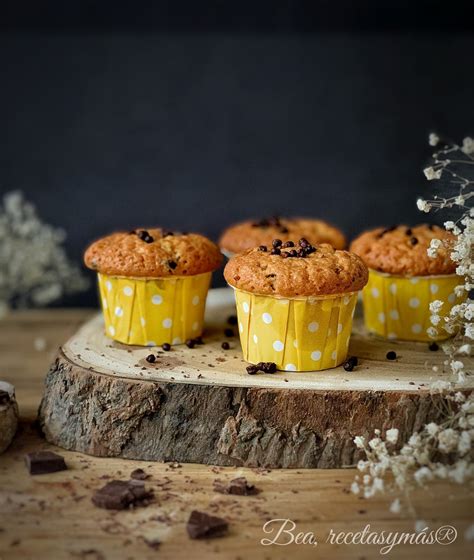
153 253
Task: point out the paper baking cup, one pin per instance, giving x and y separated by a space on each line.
300 334
150 312
397 307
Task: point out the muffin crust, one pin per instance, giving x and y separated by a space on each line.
250 234
152 253
402 250
324 272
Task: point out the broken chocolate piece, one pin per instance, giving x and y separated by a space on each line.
122 494
44 462
237 487
139 474
204 526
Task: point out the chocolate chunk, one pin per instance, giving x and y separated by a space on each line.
433 347
252 370
232 319
351 363
269 367
144 236
304 243
391 355
237 487
225 346
413 240
275 251
44 462
172 264
263 248
277 243
229 333
190 343
288 244
122 494
408 231
139 474
204 526
293 253
166 347
150 359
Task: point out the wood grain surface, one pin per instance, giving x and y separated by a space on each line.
52 517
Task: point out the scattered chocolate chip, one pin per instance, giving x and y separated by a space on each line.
263 248
232 319
139 474
229 333
204 526
172 264
237 487
288 244
275 251
265 367
225 346
351 363
44 462
150 358
301 253
252 370
190 343
391 355
292 253
433 347
121 494
413 240
166 347
277 243
304 242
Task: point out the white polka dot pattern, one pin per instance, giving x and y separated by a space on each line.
139 311
310 334
398 308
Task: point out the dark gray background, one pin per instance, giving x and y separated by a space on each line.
197 126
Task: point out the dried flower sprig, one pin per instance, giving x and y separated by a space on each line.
444 450
34 268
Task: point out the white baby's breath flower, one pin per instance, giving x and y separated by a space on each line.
432 428
447 440
431 173
359 442
433 139
468 145
355 488
395 506
392 435
423 205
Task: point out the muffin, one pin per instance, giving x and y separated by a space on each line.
403 280
295 303
153 284
247 235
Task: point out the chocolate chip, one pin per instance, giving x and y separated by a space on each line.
408 231
229 333
413 240
232 319
277 243
269 367
391 355
433 347
288 244
190 343
263 248
293 253
120 494
283 229
225 346
139 474
351 363
166 347
150 358
304 242
252 370
204 526
145 236
44 462
199 340
167 234
172 264
301 253
275 251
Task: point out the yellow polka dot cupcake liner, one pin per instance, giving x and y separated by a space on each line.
397 307
150 312
297 334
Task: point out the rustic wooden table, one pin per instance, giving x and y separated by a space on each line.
52 517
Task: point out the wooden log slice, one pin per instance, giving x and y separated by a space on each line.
200 405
